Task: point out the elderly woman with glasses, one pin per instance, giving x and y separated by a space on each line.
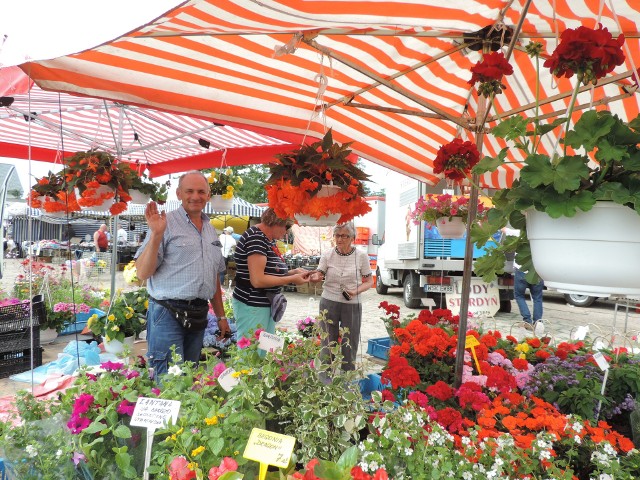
347 275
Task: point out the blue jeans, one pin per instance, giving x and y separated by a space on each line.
163 331
520 289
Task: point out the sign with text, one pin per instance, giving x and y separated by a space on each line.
227 380
269 448
484 299
154 413
270 342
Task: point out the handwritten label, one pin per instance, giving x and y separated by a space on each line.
601 361
270 342
226 379
154 413
484 299
269 448
471 341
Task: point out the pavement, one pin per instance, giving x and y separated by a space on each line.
606 321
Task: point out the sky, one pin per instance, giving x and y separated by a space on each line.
41 29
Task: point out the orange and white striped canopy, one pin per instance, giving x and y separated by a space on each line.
389 75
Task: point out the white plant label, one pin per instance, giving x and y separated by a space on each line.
601 361
581 332
154 412
270 342
227 381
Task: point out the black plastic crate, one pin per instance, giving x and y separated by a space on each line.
19 339
18 317
19 361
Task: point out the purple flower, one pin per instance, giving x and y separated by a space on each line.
78 423
126 407
82 403
78 457
112 366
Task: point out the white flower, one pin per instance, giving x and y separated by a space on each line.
408 452
175 370
31 451
545 455
467 476
577 439
59 453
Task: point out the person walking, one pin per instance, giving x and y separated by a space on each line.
181 258
228 246
347 274
519 292
100 239
260 273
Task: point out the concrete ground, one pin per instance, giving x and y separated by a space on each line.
560 318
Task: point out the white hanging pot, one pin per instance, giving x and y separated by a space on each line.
453 228
57 214
219 204
594 253
105 205
138 197
324 221
48 336
116 346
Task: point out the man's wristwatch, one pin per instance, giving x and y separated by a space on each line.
222 318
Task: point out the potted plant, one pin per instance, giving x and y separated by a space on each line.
138 187
446 212
119 325
50 194
592 183
315 181
223 184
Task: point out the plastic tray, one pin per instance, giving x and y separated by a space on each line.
17 317
81 322
379 347
19 339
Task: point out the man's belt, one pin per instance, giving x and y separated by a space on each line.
185 304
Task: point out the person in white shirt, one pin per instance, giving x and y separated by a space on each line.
121 235
228 246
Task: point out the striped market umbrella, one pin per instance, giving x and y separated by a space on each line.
390 76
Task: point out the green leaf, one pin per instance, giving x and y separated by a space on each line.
569 172
231 476
511 128
490 164
589 130
547 127
632 163
349 458
537 171
608 152
490 265
122 431
216 445
567 206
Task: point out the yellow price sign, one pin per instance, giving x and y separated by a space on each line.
269 448
471 341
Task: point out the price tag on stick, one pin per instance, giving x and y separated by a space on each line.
472 342
269 448
604 365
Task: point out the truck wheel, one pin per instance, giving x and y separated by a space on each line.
579 300
410 298
381 288
505 306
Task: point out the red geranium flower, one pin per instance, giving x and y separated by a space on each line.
588 53
456 159
489 72
440 390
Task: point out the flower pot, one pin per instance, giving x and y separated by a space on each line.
594 253
58 213
138 197
116 346
453 228
102 207
219 204
48 336
324 221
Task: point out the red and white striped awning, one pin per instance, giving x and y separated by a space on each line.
396 71
62 124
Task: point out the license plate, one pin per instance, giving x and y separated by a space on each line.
439 288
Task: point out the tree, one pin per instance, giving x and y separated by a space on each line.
253 177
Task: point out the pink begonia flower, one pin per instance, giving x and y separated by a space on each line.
179 469
244 342
228 464
82 403
218 369
126 407
257 333
77 423
155 391
78 457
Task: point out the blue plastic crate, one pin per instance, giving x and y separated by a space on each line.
379 347
371 383
81 322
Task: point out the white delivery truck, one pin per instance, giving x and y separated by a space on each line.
426 268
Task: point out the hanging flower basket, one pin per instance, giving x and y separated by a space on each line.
97 198
139 197
221 204
451 228
296 187
593 253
